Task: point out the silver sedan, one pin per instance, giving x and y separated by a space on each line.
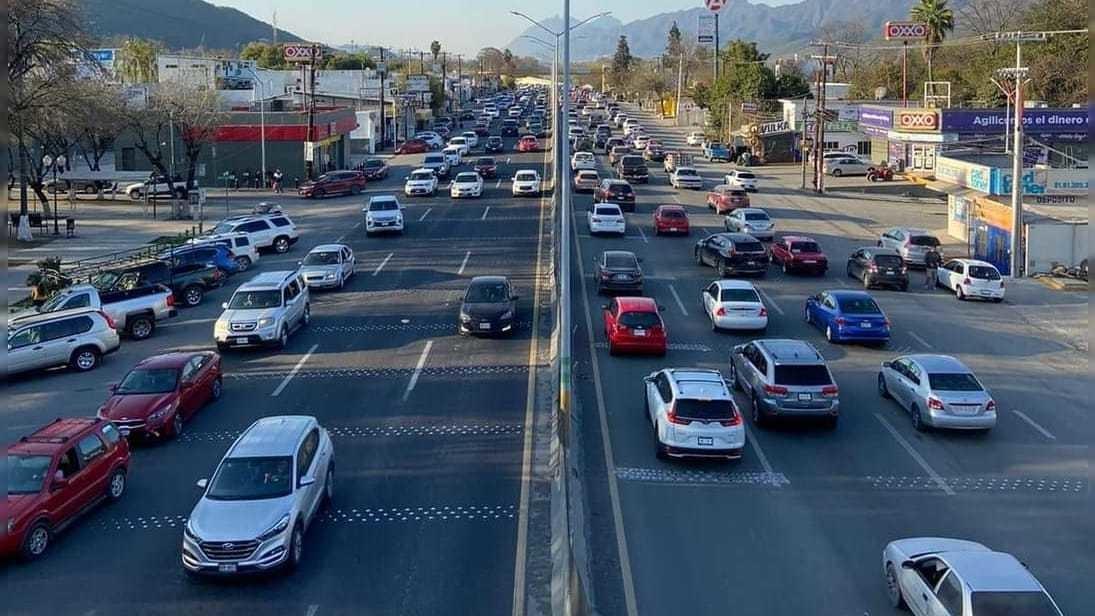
938 391
328 266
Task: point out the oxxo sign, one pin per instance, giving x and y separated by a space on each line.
904 31
715 5
916 120
303 53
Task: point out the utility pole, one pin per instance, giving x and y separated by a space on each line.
422 63
904 73
310 165
680 87
819 118
444 79
716 48
383 119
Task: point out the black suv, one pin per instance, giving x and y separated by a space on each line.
633 169
509 127
494 144
732 253
878 267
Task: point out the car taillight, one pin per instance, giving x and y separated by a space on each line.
605 275
872 268
775 390
109 321
671 417
733 421
935 403
170 300
721 312
763 312
886 322
840 321
830 391
990 405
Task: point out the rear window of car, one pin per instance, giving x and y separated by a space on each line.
737 193
982 272
632 161
433 158
888 260
745 175
704 410
953 381
620 261
748 247
641 320
739 295
1012 603
681 171
804 247
804 374
607 210
672 214
485 161
374 163
923 240
621 189
858 305
756 216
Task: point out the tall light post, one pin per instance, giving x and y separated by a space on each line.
262 118
52 163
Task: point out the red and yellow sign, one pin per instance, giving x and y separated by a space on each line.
916 120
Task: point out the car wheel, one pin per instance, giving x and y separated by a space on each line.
84 359
281 245
218 389
283 337
176 425
140 327
893 588
829 335
243 263
318 193
866 281
837 173
724 271
732 376
997 300
115 488
806 316
660 450
959 294
699 258
882 389
36 541
296 548
307 316
917 419
193 295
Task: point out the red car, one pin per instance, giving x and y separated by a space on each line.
799 253
333 183
725 199
632 324
528 143
486 167
616 191
670 219
56 474
162 392
413 146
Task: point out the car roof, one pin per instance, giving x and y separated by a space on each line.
478 280
848 293
938 363
473 174
608 205
618 253
272 436
975 262
791 351
387 197
991 571
33 319
54 435
752 210
173 359
328 248
637 304
739 237
671 206
423 170
699 383
267 280
798 238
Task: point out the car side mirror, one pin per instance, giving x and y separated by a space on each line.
661 308
306 481
908 564
604 306
647 379
299 263
202 483
224 305
737 349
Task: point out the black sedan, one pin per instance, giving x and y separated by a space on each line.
618 270
489 307
494 144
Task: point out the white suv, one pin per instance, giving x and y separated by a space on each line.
264 311
79 337
383 213
526 182
275 231
265 493
420 182
694 414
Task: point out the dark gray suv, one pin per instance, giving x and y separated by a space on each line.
785 378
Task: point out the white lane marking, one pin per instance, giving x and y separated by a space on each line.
418 370
425 214
1035 425
383 263
507 161
680 304
343 236
936 477
642 234
768 300
293 372
920 340
498 184
463 263
769 473
485 212
312 609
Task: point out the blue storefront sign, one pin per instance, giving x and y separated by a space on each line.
874 120
1058 122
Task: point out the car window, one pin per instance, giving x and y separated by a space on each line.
802 375
1009 603
665 391
983 272
931 570
294 288
704 410
486 293
90 447
949 594
797 247
251 300
828 302
616 260
26 337
891 261
252 478
640 320
739 295
280 221
307 452
607 211
69 464
923 240
81 300
953 381
858 305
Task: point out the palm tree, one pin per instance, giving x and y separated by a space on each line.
435 49
939 19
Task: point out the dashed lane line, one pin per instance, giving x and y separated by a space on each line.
921 341
425 214
919 459
642 234
699 477
415 430
680 304
1033 424
464 263
383 263
418 369
343 236
769 301
293 372
485 212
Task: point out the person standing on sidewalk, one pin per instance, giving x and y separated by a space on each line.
277 181
932 260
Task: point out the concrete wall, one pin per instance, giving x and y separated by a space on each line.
1060 242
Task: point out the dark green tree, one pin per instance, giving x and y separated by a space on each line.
435 49
622 62
674 47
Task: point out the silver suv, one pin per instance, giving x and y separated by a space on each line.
78 337
264 311
911 244
785 378
265 493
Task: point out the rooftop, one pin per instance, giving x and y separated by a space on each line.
272 436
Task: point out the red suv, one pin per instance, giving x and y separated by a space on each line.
799 253
413 146
528 143
632 324
670 219
333 183
725 199
162 392
56 474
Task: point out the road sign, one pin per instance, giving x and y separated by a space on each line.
715 5
418 83
904 31
303 53
706 31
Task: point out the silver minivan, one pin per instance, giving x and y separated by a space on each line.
785 378
79 337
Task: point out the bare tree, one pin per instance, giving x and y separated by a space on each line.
97 117
986 16
851 58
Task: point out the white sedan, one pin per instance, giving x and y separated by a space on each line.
462 143
583 161
971 279
734 304
695 138
526 182
606 218
466 184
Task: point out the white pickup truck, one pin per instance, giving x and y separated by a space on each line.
135 311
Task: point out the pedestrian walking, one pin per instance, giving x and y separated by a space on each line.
277 181
932 260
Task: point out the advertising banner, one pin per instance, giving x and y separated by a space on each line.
875 121
990 121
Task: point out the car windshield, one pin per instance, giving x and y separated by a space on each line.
486 293
923 240
756 216
1012 603
321 258
805 375
858 305
639 320
616 260
740 295
745 175
954 381
27 474
467 177
255 300
148 381
704 410
433 159
797 247
224 227
383 205
526 177
983 272
54 302
421 176
325 177
485 161
252 479
681 171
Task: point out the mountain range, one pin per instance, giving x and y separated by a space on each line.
778 30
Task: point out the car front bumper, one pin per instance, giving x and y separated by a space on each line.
486 327
456 193
268 555
321 283
255 337
384 226
635 286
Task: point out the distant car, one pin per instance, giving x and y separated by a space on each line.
454 157
489 306
329 266
693 413
494 144
583 160
605 218
375 169
724 199
618 270
686 177
162 392
528 143
971 279
383 213
509 128
785 378
586 181
671 219
632 324
732 253
526 182
798 253
471 137
847 316
911 243
616 191
838 167
714 150
420 182
633 169
611 142
466 184
640 141
695 138
938 391
734 304
413 146
434 140
934 575
654 151
740 178
878 267
439 162
486 167
333 183
753 221
462 143
616 153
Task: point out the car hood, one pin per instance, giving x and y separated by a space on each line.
419 183
485 311
134 406
228 520
236 315
321 270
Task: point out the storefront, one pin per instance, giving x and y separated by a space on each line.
918 135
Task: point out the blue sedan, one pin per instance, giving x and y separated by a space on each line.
848 316
215 254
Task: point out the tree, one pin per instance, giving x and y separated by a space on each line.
96 118
435 49
507 61
986 16
622 62
674 46
136 61
848 59
437 95
348 62
265 55
939 20
1058 67
492 60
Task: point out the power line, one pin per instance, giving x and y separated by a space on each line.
958 42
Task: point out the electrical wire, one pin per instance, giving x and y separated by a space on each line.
958 42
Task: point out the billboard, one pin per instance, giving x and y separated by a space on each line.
904 31
418 83
875 121
303 52
916 120
1039 120
706 31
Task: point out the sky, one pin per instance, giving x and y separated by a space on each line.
462 26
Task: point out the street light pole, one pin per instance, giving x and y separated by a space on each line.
262 120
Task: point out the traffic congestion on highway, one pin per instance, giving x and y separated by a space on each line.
784 403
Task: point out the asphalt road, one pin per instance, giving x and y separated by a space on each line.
434 512
798 525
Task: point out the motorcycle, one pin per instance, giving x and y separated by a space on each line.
880 174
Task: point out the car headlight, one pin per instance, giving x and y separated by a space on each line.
220 327
465 317
162 412
266 322
276 529
329 277
189 532
506 315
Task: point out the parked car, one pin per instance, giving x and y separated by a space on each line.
526 182
383 213
838 167
713 150
671 219
162 392
798 253
741 178
421 182
413 146
136 312
274 230
878 267
586 181
753 221
847 316
912 244
466 184
693 414
333 183
159 186
734 304
938 391
486 166
606 218
264 311
583 160
934 575
732 253
375 169
633 325
686 177
724 199
618 270
55 475
528 143
218 255
785 378
633 169
489 306
328 266
188 282
616 191
263 496
971 279
494 145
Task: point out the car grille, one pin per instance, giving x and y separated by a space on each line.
229 550
129 424
244 326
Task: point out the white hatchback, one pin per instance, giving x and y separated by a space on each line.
734 304
695 138
971 279
606 218
738 178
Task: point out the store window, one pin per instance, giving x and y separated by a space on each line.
864 148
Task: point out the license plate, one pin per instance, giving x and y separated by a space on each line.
123 430
866 324
241 340
810 261
227 568
484 326
804 397
640 332
705 441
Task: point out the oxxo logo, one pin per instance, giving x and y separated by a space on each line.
904 30
302 53
919 120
